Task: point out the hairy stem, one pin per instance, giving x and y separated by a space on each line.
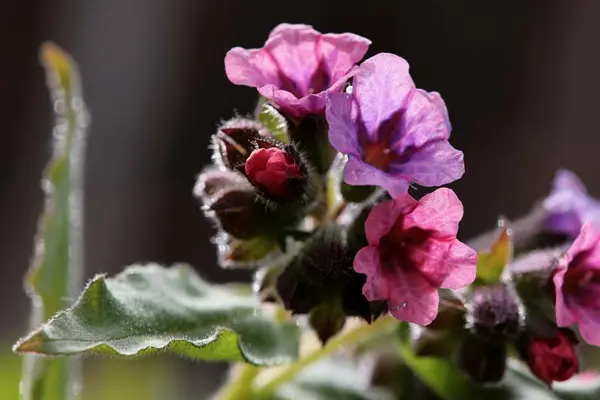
240 385
349 338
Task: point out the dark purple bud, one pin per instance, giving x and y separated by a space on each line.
237 212
495 312
213 180
322 272
236 139
441 344
483 361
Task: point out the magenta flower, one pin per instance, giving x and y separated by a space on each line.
297 66
412 252
271 170
577 286
392 132
569 205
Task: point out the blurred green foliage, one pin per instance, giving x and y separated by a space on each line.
114 379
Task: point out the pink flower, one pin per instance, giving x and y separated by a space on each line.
412 252
271 169
577 285
297 67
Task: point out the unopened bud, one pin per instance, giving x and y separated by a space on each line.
236 140
213 180
483 361
274 171
322 272
551 358
495 312
237 212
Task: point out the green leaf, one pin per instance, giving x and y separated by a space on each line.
56 270
150 308
448 383
272 119
491 263
252 253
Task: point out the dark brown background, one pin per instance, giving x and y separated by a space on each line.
521 79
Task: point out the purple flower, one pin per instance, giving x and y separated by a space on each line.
569 205
577 286
392 132
297 66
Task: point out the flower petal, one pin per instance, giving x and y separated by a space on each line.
250 67
461 261
564 317
439 211
590 331
569 205
285 28
367 262
341 51
449 264
383 216
381 87
435 164
587 241
425 120
360 173
436 99
342 129
297 66
293 51
567 180
412 297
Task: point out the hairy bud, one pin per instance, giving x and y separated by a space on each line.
495 312
236 207
236 139
322 272
482 360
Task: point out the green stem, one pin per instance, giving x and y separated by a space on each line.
349 338
239 387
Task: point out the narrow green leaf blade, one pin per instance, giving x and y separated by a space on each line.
150 308
491 263
56 270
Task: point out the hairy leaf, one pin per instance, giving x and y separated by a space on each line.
56 270
150 308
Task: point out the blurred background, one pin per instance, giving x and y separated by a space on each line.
521 80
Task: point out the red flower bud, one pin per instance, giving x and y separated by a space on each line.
271 169
552 358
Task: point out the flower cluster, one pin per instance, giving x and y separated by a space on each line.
313 190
